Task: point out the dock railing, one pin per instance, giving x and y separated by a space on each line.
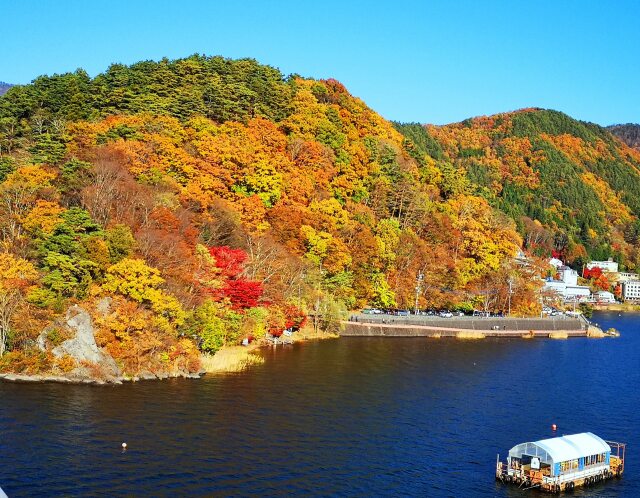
501 468
620 450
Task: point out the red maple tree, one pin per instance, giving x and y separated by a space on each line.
242 293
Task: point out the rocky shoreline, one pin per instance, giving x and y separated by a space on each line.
93 365
90 364
61 379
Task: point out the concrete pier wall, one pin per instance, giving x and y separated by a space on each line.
418 326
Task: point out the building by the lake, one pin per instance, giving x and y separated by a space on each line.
631 290
603 296
566 286
606 266
626 277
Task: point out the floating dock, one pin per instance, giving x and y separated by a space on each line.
562 463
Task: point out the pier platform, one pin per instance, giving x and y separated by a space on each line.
422 326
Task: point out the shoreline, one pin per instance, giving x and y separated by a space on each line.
237 358
620 307
228 359
116 381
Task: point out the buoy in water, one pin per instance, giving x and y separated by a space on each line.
124 446
554 427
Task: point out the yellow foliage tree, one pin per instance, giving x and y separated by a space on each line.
134 279
44 216
18 194
15 275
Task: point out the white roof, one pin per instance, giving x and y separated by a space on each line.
555 262
561 449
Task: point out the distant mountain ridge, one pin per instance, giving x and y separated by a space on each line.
569 185
4 87
629 133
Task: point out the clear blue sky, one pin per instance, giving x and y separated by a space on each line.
426 61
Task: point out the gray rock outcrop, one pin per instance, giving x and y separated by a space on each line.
82 345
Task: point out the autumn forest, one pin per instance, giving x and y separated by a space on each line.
188 204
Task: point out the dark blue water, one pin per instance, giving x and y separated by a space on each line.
351 417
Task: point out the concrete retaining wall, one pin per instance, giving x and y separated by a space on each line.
417 326
471 323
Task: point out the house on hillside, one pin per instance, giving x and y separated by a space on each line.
606 266
604 297
626 277
567 285
555 262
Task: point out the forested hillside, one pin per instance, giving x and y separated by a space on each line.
188 204
571 187
629 133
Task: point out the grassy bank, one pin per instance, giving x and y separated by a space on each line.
238 358
231 359
307 333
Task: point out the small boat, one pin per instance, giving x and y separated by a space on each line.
562 463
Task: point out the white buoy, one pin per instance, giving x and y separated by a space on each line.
124 446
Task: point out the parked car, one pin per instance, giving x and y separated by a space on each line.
403 312
481 313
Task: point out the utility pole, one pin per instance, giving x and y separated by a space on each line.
510 291
419 279
541 304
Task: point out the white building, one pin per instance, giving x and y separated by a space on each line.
604 297
627 277
631 290
610 265
568 275
567 287
557 286
555 262
576 292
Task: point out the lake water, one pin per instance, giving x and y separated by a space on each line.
348 417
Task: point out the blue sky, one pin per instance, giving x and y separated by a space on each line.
425 61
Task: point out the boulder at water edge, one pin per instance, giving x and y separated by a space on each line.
81 346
